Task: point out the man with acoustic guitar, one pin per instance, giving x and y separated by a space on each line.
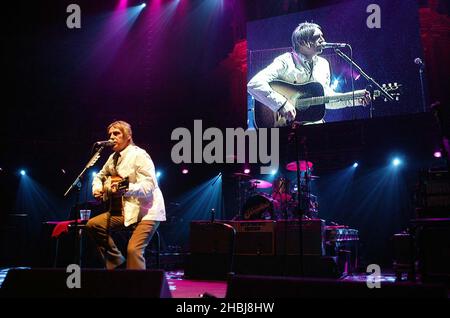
274 85
128 182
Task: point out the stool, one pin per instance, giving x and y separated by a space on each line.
61 229
121 243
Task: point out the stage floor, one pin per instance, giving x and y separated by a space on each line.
182 287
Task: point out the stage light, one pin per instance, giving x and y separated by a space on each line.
355 165
274 172
94 173
158 174
437 154
185 171
396 162
143 5
246 171
23 172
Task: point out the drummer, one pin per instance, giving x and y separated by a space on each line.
281 196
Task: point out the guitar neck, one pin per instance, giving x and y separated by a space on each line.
311 101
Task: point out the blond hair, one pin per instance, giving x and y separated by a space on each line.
124 127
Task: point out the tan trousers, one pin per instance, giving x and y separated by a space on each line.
97 228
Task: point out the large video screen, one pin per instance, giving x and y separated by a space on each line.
307 66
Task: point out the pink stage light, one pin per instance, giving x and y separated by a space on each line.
122 4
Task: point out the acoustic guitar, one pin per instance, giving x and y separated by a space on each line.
309 100
113 186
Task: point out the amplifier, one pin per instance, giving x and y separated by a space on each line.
288 237
254 237
210 238
211 250
279 237
433 195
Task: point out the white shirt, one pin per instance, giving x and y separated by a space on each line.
293 69
144 199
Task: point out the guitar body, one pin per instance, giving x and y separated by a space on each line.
295 93
309 100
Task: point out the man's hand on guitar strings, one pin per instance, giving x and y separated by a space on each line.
98 194
288 111
366 100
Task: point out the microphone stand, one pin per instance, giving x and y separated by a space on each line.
367 77
422 87
77 185
295 128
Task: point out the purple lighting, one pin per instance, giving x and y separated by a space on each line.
122 4
437 154
184 171
246 171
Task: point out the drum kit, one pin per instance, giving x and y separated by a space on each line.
283 201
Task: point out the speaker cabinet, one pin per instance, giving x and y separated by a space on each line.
433 242
254 237
211 250
267 287
288 237
44 283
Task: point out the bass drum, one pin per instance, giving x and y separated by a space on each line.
258 207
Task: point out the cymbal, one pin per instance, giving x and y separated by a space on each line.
304 165
260 184
241 175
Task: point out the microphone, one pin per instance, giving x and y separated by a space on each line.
419 62
105 143
326 45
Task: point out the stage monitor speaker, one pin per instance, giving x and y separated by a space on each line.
241 286
95 283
